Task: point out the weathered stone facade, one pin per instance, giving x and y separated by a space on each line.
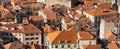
67 3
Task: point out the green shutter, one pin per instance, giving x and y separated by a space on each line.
74 46
56 46
62 46
68 46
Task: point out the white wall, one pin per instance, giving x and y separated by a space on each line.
66 46
102 29
41 1
87 42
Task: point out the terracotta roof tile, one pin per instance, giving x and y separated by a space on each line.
13 45
86 36
46 28
67 19
77 15
105 5
1 8
30 28
11 25
100 12
92 47
50 15
47 8
6 20
36 18
25 22
89 3
60 37
111 19
113 45
52 36
110 36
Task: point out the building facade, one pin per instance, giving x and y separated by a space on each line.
109 25
67 3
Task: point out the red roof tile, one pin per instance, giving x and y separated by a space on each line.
86 36
92 47
46 28
113 45
36 18
60 37
50 15
100 12
111 19
110 36
105 5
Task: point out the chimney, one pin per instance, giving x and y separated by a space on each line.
25 21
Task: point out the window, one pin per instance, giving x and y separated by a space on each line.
37 38
20 39
26 34
27 43
37 42
9 28
68 46
26 38
74 46
32 38
15 34
37 34
19 34
56 46
62 46
32 34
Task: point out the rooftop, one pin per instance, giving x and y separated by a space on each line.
101 12
111 19
113 45
61 38
86 36
36 18
92 47
110 36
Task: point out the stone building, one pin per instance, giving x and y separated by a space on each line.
67 3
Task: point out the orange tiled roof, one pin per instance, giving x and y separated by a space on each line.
50 15
46 28
113 45
17 7
92 47
25 22
35 46
30 28
105 5
47 8
1 8
36 18
6 20
89 3
52 36
11 25
85 36
12 1
100 12
67 19
60 37
110 36
13 45
111 19
77 15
